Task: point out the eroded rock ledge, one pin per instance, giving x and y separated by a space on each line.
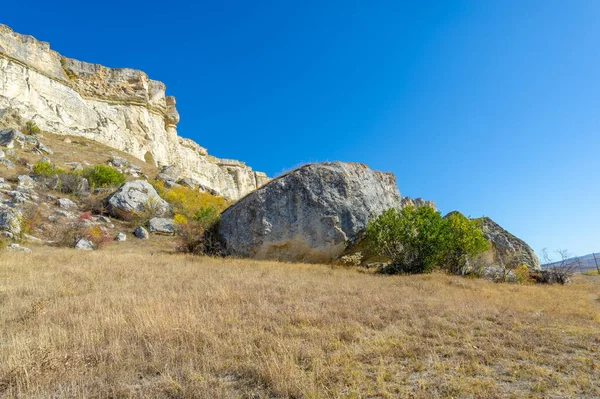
121 108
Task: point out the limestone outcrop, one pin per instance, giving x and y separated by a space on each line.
507 249
121 108
311 214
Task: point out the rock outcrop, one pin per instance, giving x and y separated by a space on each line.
311 214
506 249
121 108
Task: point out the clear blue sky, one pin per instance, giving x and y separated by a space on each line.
487 107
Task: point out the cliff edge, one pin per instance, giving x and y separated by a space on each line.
118 107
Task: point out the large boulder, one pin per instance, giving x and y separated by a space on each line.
9 136
311 214
135 197
506 249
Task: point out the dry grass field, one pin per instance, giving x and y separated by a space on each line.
145 323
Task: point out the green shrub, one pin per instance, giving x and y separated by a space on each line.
463 240
103 176
45 168
31 128
416 240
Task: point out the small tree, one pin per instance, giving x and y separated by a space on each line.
411 238
462 240
418 239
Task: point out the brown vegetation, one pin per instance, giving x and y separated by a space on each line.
147 323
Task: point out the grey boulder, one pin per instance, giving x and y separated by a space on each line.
134 197
161 226
9 136
506 249
311 214
10 221
65 203
84 244
141 233
121 237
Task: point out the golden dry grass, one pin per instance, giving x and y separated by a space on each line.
145 323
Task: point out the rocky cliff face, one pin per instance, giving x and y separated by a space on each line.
121 108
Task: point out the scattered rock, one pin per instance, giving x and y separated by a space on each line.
85 244
103 219
118 162
67 140
65 203
311 214
121 237
141 233
2 154
18 248
25 181
66 214
10 220
136 196
161 226
6 163
44 149
9 136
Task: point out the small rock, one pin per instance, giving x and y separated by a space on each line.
65 203
43 148
66 214
118 162
6 163
85 244
161 226
67 140
103 219
141 233
25 181
121 237
2 155
18 248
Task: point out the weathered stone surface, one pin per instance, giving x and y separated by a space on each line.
18 248
141 233
311 214
506 248
161 226
136 196
10 220
417 202
65 203
85 244
9 136
25 182
121 108
121 237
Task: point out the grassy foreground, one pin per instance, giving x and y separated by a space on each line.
152 324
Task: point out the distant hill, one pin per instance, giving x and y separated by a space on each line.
587 262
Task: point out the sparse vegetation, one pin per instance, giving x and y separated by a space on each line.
142 323
45 168
103 176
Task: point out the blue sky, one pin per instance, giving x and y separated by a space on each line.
487 107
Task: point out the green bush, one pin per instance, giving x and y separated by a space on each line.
416 240
45 168
103 176
31 128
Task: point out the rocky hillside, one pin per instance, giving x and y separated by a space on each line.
121 108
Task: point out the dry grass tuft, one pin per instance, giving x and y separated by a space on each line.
107 324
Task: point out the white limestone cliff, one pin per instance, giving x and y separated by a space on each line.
121 108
